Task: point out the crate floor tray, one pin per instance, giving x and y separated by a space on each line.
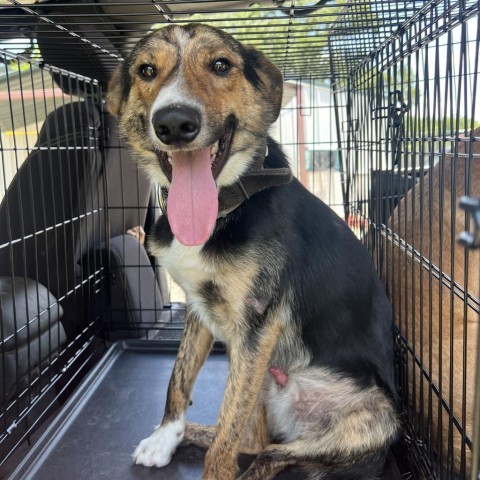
119 404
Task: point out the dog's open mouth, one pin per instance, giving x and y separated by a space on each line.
219 152
192 206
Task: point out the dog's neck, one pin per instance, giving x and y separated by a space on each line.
256 179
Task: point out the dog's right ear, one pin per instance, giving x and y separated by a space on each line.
114 92
267 78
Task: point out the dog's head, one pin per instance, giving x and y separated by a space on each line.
196 104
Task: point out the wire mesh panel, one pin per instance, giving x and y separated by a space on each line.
413 110
379 119
52 212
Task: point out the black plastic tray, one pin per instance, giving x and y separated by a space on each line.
116 406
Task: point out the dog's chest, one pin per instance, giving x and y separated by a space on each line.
187 267
217 292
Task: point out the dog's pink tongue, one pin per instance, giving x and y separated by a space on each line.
192 207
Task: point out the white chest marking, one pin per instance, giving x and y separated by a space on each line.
190 270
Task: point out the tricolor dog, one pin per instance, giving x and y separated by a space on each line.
265 265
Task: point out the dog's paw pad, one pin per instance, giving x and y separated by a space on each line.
157 450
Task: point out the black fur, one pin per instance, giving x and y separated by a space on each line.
251 64
211 293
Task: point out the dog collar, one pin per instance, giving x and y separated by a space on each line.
232 196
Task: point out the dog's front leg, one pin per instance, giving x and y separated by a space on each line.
158 448
249 358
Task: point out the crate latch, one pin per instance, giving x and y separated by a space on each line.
472 206
397 108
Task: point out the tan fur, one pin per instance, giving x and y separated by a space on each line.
163 54
194 349
233 308
254 439
114 93
411 287
245 379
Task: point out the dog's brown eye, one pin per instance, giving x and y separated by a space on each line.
221 66
147 71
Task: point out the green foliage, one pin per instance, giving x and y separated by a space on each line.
19 64
295 43
450 126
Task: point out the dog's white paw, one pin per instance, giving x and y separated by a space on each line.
157 450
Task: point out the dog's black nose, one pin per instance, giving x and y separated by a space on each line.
176 124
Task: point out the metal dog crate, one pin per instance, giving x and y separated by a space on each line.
380 119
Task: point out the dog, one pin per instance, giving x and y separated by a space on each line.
426 325
266 267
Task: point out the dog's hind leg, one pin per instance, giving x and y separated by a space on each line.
329 425
199 435
307 455
157 450
270 462
254 440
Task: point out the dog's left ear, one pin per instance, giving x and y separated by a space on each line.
271 81
114 92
